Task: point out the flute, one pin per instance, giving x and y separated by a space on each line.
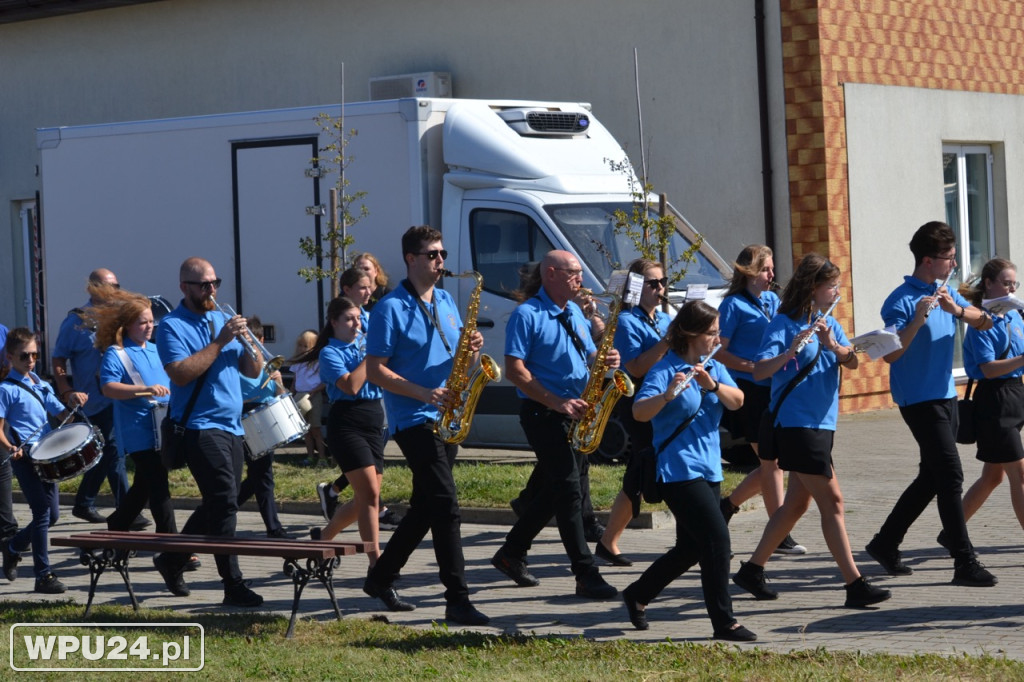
689 375
935 303
807 339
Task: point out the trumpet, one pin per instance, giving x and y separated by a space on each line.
692 373
807 339
253 347
935 303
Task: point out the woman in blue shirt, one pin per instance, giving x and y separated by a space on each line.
689 467
805 424
355 421
995 359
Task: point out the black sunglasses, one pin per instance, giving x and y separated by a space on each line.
26 356
212 284
657 283
432 255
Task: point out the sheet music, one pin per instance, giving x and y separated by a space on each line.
1003 304
877 343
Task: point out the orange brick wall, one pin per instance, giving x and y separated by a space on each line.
967 45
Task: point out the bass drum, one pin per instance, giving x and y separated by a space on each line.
67 452
272 425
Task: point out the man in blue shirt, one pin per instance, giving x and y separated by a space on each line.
75 345
925 316
8 524
198 346
413 334
548 350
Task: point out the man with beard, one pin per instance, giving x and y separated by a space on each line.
199 350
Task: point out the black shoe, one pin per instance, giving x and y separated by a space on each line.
279 533
388 596
614 559
316 533
862 593
593 531
889 559
971 573
193 563
513 568
388 520
48 584
328 503
88 514
241 595
592 586
11 560
789 546
171 572
728 509
465 614
736 634
140 523
637 616
751 578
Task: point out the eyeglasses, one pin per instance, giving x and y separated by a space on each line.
1012 286
25 357
949 258
212 284
573 272
712 332
657 283
432 255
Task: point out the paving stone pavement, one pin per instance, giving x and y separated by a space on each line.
875 458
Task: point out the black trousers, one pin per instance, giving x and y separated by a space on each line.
148 486
110 466
559 491
939 476
434 507
259 483
8 524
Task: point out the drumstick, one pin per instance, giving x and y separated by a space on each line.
142 394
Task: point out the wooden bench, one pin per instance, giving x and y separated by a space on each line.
303 559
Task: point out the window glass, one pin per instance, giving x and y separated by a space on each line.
502 242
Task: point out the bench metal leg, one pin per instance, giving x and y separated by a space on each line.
98 561
322 570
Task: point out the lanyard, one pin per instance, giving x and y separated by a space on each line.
431 313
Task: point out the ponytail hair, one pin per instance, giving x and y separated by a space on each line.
335 309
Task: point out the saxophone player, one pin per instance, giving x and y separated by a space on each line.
548 350
412 335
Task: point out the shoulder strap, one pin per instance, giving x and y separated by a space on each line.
681 427
35 395
192 399
431 314
793 383
129 366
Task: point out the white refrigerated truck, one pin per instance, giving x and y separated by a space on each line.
505 181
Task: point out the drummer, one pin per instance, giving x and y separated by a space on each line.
25 402
259 467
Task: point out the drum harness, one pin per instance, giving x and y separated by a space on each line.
16 439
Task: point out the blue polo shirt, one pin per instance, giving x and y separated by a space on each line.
696 452
743 320
983 347
183 333
404 334
22 412
338 359
133 419
814 402
75 342
925 370
636 333
536 337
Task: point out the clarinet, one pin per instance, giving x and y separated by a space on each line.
800 346
689 375
935 303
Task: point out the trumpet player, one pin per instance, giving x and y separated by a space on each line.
921 381
548 350
199 350
413 334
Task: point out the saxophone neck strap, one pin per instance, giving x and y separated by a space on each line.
563 319
431 312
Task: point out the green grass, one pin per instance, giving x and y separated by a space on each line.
252 646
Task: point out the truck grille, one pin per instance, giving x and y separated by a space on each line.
559 122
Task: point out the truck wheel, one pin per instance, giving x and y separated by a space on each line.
614 447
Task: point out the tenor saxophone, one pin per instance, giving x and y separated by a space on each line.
464 388
586 432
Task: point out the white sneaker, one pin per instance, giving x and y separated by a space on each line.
789 546
327 502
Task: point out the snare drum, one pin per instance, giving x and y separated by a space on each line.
272 425
158 411
67 452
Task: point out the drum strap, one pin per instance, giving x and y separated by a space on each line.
16 438
129 366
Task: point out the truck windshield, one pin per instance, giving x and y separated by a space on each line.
591 229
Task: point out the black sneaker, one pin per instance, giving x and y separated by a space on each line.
171 571
751 578
513 568
140 523
862 593
890 559
279 534
388 520
728 509
465 614
328 503
591 585
972 573
593 531
637 615
49 584
241 595
789 546
736 634
88 514
11 560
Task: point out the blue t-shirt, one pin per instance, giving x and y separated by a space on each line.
535 336
22 413
981 348
133 419
696 452
925 370
404 334
3 340
814 402
76 343
337 359
636 333
743 322
182 334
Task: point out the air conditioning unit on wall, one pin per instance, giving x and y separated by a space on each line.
426 84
